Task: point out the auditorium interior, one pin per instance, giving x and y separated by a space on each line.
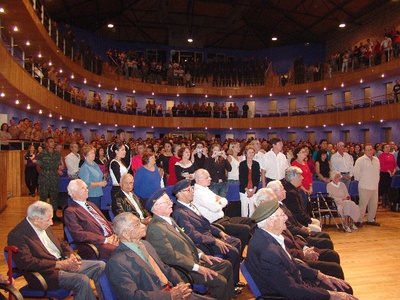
321 101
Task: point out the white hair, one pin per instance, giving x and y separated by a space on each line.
263 195
38 209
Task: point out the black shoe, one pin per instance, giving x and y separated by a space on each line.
238 290
240 284
359 224
373 223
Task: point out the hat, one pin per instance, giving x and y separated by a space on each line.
180 185
154 197
265 210
119 131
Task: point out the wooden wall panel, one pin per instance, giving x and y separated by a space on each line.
3 185
14 172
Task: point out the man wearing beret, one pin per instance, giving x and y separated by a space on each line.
275 271
205 235
175 248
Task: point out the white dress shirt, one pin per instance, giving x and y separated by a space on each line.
342 164
366 171
274 165
207 203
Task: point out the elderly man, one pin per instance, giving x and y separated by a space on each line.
126 201
136 271
294 201
321 240
86 222
274 163
41 251
343 163
210 206
273 268
366 171
327 261
202 233
72 160
175 248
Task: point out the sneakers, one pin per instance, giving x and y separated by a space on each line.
354 227
346 229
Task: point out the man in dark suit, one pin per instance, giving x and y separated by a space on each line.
136 271
126 201
274 270
175 248
205 235
86 223
39 250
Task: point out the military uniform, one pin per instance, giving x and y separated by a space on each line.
48 176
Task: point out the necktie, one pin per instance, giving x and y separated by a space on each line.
194 208
99 219
153 264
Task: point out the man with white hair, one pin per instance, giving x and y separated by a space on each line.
275 271
136 271
343 163
294 201
86 223
321 240
41 251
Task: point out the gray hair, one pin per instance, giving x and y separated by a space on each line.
332 174
274 185
262 223
122 222
292 172
73 186
38 209
124 176
263 195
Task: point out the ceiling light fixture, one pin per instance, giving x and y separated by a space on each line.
342 25
190 40
110 25
274 38
15 28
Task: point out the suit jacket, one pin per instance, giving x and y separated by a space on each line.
132 278
173 247
196 227
273 270
120 204
84 228
294 202
33 255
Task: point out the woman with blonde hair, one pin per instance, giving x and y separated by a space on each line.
234 159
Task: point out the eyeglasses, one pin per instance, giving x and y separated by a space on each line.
189 189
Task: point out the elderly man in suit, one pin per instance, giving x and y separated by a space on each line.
175 248
205 235
86 223
136 271
126 201
41 251
275 271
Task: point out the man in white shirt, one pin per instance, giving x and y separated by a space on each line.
258 150
211 207
343 162
72 160
273 163
366 171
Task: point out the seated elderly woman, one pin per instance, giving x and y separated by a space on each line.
347 209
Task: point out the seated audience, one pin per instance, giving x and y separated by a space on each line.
86 222
348 210
126 201
275 271
41 251
176 248
202 233
136 271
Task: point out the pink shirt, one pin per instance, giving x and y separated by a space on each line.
388 163
307 175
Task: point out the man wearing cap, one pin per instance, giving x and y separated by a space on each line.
210 206
275 271
175 248
202 233
136 271
120 137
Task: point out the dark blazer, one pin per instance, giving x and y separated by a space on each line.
33 255
84 228
294 202
120 204
132 278
273 270
196 227
244 175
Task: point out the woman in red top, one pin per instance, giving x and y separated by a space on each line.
388 168
171 165
300 156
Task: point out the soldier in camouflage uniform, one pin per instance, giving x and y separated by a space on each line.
47 166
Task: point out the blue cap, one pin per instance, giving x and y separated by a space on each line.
180 185
154 197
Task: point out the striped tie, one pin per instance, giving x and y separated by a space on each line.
100 219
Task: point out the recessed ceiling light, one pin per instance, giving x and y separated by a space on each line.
190 40
342 25
274 38
27 43
110 25
15 28
1 10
